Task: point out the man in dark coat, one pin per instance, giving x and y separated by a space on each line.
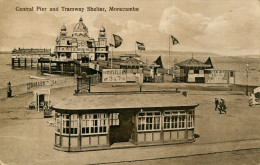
216 104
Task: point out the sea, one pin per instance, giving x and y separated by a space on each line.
238 64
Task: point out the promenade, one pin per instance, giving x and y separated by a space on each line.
27 138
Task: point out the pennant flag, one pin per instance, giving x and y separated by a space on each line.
90 44
159 61
118 40
209 62
111 45
174 40
140 45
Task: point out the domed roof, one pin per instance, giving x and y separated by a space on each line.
80 26
102 29
63 28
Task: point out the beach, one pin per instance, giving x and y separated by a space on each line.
27 137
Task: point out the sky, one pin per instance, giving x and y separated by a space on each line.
225 27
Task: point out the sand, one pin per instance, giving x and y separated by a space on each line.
27 138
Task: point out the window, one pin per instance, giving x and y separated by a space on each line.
191 119
196 71
182 121
70 123
114 120
149 121
231 74
174 120
94 123
57 122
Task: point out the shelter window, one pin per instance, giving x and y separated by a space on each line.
70 125
114 120
174 120
149 121
94 123
191 119
57 122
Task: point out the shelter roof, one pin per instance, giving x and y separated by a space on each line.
92 102
193 63
132 62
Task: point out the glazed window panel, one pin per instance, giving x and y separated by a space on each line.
114 119
57 122
191 119
149 121
182 120
174 120
70 125
94 123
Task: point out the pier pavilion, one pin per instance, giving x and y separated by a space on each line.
92 122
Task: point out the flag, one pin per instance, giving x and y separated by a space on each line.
209 62
159 61
118 40
140 45
111 45
90 44
174 40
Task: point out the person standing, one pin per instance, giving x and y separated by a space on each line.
216 104
223 106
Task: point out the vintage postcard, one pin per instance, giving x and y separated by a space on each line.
129 82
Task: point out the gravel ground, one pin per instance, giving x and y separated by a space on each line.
27 138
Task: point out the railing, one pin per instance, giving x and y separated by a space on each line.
35 84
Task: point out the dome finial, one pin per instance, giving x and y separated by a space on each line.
80 19
63 28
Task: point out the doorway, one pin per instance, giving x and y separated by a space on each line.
121 132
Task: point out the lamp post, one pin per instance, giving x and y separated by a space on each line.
247 74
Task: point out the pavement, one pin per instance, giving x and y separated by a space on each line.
27 138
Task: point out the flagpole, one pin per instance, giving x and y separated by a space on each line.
112 58
112 52
169 55
135 49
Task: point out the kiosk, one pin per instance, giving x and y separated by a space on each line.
42 99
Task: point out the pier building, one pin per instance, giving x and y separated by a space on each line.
28 58
80 46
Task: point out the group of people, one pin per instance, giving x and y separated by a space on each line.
220 105
251 99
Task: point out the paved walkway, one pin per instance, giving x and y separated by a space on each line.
172 151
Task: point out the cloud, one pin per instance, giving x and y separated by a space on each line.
230 32
233 32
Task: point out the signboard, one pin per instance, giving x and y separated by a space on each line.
114 75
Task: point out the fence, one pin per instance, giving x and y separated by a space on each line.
34 84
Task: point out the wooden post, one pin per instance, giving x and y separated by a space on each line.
108 129
12 63
50 67
62 68
79 138
61 129
31 62
25 62
161 122
186 122
19 63
69 130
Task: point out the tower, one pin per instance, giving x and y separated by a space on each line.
102 37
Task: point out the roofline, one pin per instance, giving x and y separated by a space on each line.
132 108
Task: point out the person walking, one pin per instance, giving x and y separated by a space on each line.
216 103
223 106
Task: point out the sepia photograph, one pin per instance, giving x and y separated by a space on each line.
129 82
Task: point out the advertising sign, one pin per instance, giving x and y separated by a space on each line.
114 75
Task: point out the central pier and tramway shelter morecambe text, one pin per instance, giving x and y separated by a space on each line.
76 9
